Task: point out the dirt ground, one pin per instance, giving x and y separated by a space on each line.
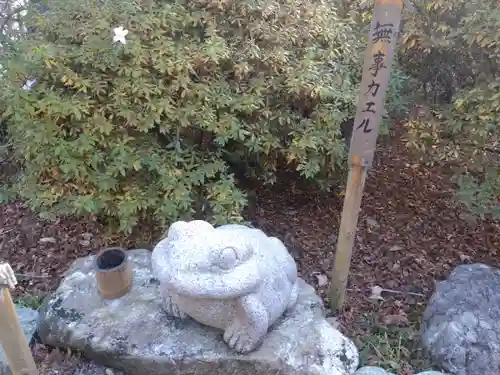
411 233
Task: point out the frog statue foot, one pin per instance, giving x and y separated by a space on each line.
232 277
249 325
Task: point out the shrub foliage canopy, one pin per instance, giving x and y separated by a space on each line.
147 128
452 49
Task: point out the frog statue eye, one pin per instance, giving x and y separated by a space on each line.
225 258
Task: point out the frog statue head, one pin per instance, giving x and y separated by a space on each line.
195 260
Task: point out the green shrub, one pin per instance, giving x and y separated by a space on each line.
147 129
31 302
455 48
10 29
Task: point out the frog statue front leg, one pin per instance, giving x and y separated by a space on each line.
249 325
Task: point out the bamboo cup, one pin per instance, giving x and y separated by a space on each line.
113 273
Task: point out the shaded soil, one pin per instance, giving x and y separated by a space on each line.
57 362
411 232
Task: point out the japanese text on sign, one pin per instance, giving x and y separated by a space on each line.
378 61
377 65
382 33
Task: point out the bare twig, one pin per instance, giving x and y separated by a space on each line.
407 293
30 276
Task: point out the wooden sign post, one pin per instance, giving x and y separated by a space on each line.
12 337
375 81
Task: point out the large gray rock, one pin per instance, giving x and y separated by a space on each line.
135 335
28 319
461 325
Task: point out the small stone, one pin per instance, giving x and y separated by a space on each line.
371 222
396 248
321 279
464 257
85 243
377 293
109 372
47 240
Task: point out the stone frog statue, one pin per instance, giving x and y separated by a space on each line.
232 277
